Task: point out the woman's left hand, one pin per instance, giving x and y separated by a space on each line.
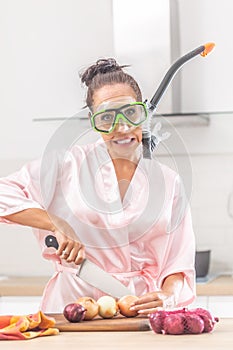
149 302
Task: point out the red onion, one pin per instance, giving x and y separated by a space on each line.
182 321
74 312
208 319
173 324
156 321
193 324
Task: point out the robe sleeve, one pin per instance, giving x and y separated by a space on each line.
180 252
20 190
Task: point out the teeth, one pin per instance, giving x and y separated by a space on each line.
123 141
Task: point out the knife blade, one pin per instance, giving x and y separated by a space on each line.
94 275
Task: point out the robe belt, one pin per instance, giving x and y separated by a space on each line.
148 272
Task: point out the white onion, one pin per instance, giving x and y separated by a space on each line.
108 307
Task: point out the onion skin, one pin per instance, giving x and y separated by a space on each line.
173 324
194 324
108 307
156 321
208 319
74 312
124 304
90 305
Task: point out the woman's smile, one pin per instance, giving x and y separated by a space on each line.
125 141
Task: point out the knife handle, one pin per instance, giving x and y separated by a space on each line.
51 241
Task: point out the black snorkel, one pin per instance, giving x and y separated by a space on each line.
148 140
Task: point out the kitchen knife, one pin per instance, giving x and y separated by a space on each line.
94 275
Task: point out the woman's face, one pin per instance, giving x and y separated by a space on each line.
124 139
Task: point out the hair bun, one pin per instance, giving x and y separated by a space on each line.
102 66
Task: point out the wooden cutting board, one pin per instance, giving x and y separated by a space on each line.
118 323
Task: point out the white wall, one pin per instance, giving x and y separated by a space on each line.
142 39
206 83
203 155
43 46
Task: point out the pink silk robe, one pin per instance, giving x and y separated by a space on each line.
139 240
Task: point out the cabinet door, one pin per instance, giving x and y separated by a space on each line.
201 301
221 306
19 305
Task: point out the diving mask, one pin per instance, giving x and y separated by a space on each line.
105 120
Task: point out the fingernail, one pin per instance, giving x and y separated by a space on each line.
132 308
141 311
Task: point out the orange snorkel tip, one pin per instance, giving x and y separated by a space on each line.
208 48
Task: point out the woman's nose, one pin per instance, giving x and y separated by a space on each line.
122 126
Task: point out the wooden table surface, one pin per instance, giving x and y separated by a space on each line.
34 286
220 338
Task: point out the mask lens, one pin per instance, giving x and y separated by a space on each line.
135 113
103 121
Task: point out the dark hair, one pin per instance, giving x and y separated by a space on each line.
107 72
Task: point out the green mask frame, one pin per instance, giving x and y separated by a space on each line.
133 114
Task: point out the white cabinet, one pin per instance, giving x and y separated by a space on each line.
201 301
219 306
19 305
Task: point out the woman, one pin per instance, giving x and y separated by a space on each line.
106 202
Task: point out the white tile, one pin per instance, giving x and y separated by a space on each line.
210 236
221 306
20 248
19 305
221 259
201 301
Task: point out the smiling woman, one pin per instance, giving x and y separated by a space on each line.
103 200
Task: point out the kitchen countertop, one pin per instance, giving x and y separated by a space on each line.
23 286
220 338
33 286
221 285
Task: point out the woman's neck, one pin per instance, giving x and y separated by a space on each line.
124 170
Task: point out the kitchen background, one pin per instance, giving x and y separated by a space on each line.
43 46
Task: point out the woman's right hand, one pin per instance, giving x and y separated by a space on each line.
69 247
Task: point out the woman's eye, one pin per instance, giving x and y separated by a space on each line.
130 112
106 117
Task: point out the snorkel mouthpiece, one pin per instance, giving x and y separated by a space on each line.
152 105
146 144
